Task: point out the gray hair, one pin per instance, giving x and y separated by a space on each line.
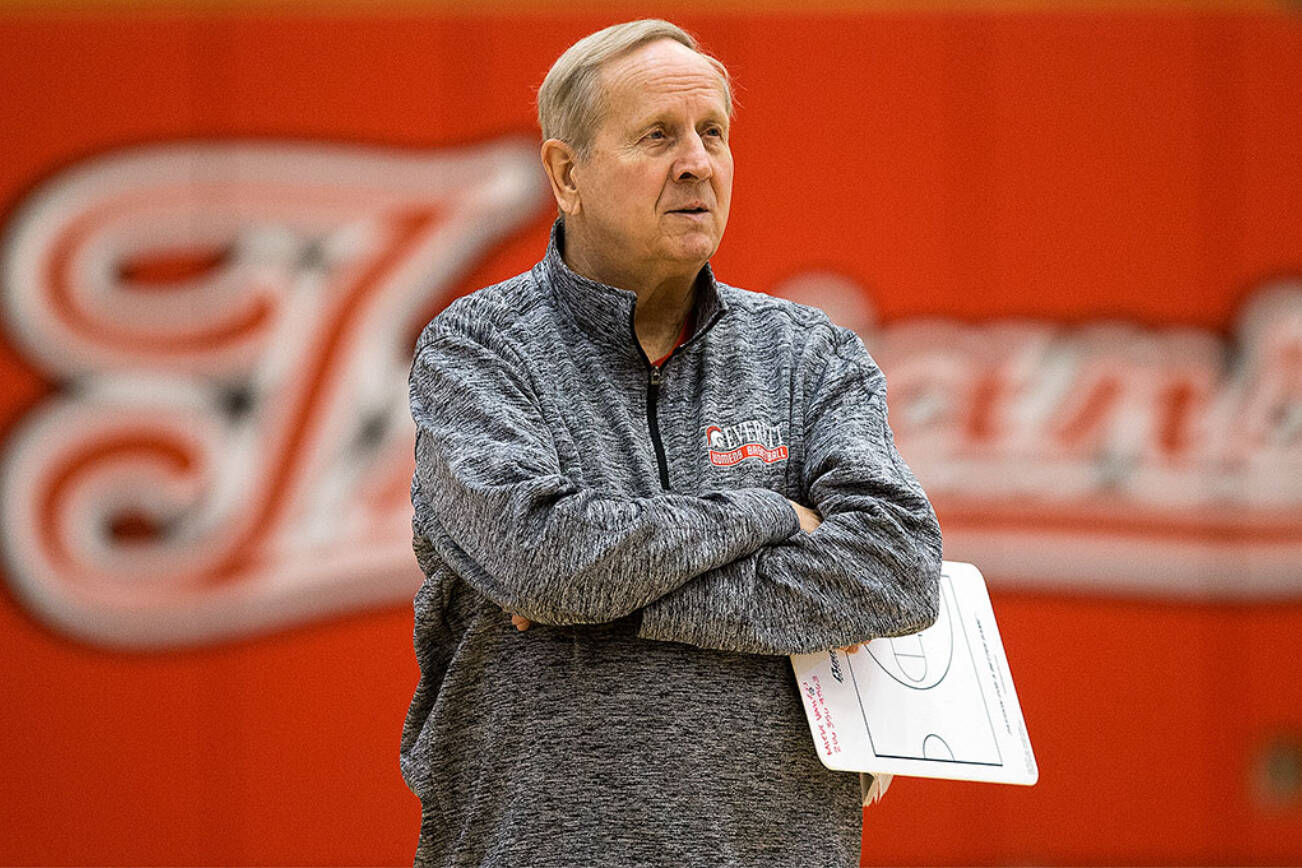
569 100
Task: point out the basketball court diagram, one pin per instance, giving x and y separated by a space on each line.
939 703
909 676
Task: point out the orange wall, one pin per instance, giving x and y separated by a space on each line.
1059 168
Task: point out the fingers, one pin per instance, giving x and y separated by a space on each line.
809 519
520 621
850 649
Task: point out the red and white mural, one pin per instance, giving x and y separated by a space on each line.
230 326
1106 456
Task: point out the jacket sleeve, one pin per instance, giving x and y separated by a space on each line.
491 500
871 569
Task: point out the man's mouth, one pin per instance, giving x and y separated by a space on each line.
691 209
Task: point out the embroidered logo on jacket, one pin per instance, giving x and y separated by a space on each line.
733 444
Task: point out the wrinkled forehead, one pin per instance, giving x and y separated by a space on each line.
658 75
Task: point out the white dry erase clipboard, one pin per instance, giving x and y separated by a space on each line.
937 704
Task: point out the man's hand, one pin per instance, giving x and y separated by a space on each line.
809 519
520 621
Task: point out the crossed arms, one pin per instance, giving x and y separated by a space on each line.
729 569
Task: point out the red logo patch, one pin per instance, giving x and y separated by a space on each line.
733 444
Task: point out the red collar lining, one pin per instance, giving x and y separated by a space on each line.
688 322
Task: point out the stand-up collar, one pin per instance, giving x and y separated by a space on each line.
606 312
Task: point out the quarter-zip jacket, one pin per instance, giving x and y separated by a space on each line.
638 516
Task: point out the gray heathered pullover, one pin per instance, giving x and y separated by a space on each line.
650 717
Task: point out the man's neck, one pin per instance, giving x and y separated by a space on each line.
664 299
658 322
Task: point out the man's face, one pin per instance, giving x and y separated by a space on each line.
656 185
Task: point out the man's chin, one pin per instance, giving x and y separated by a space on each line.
696 247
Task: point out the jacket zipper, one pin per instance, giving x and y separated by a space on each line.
652 396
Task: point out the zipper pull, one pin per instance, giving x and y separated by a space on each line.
655 376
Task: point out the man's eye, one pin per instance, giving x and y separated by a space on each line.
656 135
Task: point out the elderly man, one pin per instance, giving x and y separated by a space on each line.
673 483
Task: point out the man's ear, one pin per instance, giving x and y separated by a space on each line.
559 160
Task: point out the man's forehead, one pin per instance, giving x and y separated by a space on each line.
653 75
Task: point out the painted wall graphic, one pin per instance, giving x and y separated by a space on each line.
231 324
1106 455
1072 239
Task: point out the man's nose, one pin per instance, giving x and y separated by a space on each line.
693 164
